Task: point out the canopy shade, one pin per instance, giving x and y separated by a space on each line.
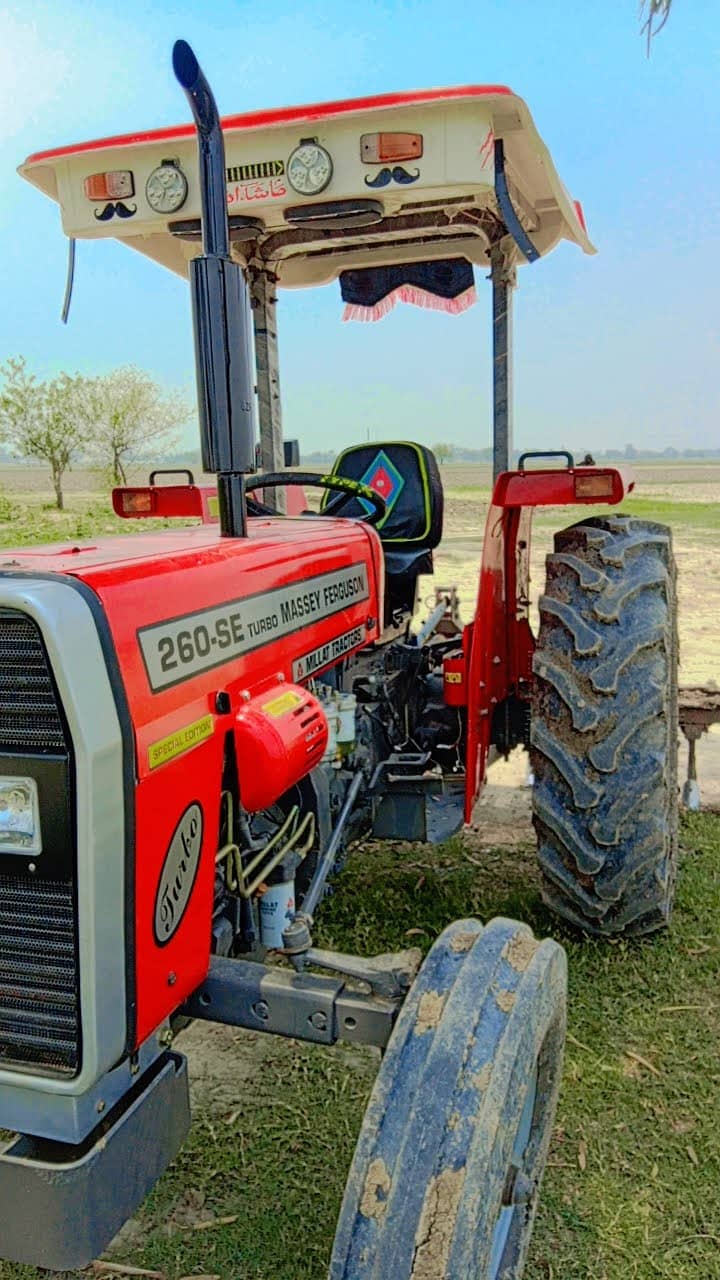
325 189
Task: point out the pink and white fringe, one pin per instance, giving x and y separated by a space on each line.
415 297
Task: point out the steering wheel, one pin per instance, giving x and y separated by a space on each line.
347 489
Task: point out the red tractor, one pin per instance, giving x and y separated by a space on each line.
196 721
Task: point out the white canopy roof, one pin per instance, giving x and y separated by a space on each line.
437 201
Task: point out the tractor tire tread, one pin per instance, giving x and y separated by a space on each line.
604 726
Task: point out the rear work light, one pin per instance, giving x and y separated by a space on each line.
594 486
136 502
386 148
116 184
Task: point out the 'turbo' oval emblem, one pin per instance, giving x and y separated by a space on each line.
178 874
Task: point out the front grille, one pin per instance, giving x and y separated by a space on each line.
39 1009
39 980
29 714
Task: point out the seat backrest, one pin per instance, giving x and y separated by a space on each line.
407 476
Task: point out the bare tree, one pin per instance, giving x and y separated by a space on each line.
125 414
42 419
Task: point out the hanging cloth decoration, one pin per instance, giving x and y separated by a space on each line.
446 285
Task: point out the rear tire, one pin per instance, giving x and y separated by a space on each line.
604 730
445 1177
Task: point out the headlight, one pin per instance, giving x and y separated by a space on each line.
309 168
19 816
166 189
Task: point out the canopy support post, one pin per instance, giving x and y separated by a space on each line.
263 293
504 278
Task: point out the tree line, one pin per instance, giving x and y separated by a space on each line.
105 421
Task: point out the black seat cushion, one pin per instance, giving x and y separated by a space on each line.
407 476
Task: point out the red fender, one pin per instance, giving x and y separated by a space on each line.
499 643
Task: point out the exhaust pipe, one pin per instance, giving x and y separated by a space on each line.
221 315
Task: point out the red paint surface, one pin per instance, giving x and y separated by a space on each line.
281 116
277 748
499 643
556 487
157 576
183 501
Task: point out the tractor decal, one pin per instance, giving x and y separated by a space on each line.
180 648
383 476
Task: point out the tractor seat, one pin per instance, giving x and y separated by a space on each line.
406 475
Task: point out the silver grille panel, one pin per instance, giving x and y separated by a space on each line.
29 715
39 1008
39 980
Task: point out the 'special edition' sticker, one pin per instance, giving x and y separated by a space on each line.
180 648
175 744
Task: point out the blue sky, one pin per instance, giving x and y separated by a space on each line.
617 348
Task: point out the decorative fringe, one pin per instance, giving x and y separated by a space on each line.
416 298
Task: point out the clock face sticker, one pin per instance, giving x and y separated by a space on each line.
166 189
309 168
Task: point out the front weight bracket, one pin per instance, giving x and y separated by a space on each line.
303 1006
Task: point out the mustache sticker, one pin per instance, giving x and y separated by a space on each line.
122 211
397 174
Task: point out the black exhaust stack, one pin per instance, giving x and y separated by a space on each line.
225 379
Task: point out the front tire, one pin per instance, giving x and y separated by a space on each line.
445 1177
604 729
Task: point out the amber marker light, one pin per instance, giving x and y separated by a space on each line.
594 486
133 503
387 148
116 184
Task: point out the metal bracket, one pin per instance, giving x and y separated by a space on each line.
503 276
68 1201
303 1006
411 801
389 975
507 209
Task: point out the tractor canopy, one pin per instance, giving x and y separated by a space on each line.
334 190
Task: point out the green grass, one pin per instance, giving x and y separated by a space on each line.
29 523
698 516
632 1191
695 515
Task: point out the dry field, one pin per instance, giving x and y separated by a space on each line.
673 493
681 494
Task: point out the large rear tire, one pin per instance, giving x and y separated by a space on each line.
604 729
445 1176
